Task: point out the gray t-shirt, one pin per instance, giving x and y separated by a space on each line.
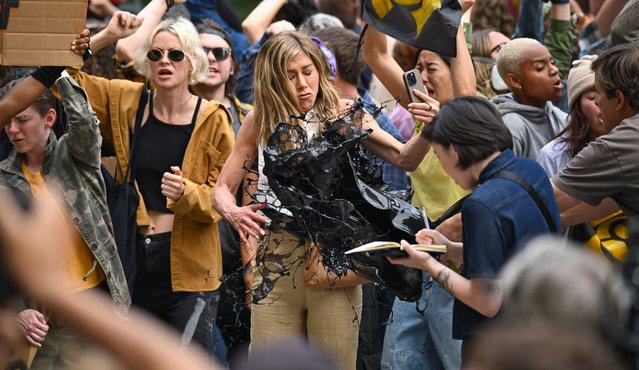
607 167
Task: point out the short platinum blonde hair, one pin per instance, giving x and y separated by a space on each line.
561 282
185 31
512 54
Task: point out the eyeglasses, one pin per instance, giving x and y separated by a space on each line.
498 47
175 55
220 54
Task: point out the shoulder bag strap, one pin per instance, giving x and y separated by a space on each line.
509 175
130 168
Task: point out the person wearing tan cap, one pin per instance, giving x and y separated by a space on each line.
583 124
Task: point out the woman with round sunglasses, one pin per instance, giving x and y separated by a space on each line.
182 145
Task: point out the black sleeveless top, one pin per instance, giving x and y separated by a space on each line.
160 146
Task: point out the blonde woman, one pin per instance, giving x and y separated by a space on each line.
291 78
182 146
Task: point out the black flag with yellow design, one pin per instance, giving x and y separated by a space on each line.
426 24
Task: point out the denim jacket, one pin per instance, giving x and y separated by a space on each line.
72 167
498 219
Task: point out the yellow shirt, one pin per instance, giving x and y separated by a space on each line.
434 189
84 272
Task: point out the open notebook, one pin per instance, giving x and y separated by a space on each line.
394 249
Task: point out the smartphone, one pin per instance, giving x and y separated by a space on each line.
413 80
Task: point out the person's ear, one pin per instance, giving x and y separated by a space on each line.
454 154
621 100
49 118
513 82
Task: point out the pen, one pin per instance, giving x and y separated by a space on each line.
426 224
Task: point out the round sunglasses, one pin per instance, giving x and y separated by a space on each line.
220 54
175 55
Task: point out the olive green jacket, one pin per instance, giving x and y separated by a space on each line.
72 167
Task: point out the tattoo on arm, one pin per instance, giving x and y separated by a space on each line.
492 287
442 278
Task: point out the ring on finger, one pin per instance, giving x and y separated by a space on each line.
430 107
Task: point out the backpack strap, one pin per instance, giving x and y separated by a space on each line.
129 176
509 175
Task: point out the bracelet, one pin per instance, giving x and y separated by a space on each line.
169 4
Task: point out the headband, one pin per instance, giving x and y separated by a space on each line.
332 63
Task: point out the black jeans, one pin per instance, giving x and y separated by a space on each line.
192 314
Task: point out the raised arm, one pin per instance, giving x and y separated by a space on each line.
19 98
260 18
127 48
387 70
561 37
462 71
121 25
607 13
84 131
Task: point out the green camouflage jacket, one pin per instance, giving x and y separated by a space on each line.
72 167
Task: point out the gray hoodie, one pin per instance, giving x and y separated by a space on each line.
531 127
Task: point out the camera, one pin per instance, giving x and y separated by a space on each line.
411 78
412 81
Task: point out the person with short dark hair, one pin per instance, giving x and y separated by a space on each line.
475 148
607 167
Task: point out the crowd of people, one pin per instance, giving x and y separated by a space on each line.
520 154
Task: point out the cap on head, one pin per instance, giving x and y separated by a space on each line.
580 78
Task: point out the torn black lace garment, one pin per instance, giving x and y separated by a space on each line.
328 194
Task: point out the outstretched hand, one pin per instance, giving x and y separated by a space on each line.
416 259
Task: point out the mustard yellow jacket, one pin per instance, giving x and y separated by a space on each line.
196 257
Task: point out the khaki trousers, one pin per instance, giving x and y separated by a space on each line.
329 317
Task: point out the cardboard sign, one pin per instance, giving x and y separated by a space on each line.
37 33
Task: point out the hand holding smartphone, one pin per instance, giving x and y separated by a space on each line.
413 80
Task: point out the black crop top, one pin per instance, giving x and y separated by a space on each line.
160 146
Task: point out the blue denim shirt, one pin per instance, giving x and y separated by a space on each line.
244 88
396 178
499 218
